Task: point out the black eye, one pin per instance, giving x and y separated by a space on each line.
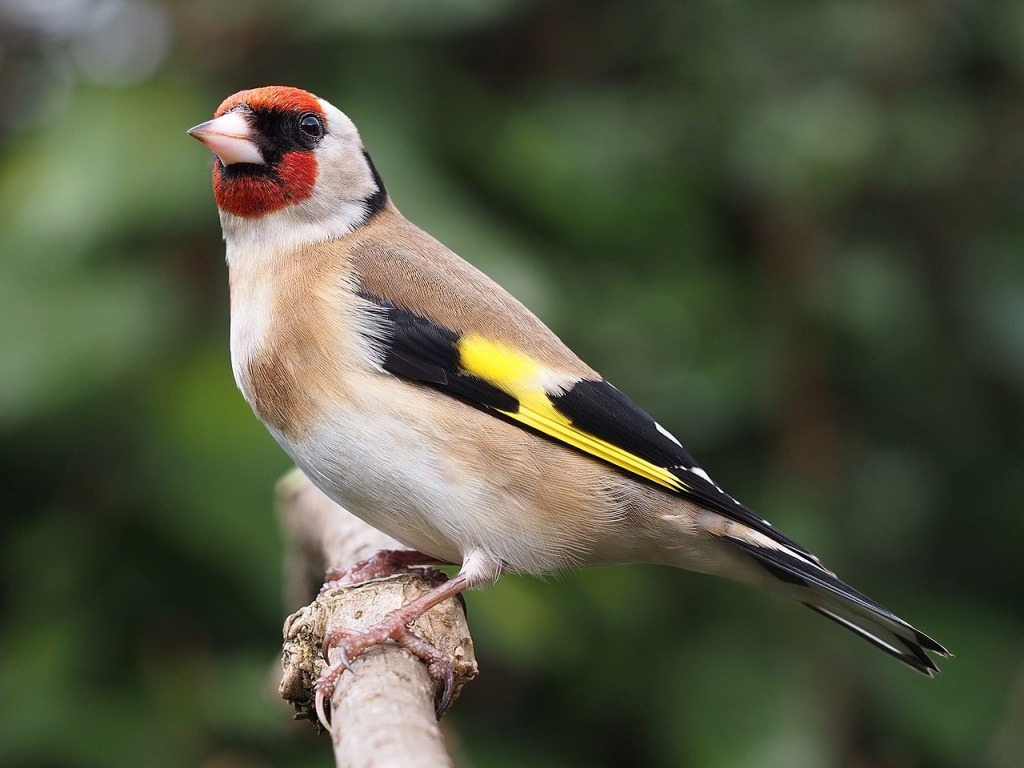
311 125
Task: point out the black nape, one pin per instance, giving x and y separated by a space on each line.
375 203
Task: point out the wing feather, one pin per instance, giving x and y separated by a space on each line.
589 415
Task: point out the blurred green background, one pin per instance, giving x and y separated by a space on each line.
792 231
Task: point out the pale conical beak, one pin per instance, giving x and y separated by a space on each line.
231 138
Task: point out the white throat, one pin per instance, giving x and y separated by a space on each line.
254 238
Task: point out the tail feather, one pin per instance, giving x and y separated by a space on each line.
820 590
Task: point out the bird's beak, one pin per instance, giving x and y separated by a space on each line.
231 138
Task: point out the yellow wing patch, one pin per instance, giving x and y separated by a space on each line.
524 378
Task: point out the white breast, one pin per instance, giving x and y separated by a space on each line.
390 463
379 468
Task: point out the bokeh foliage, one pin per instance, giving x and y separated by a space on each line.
792 231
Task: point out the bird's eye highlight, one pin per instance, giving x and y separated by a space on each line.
311 125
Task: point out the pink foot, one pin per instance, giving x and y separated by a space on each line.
386 562
394 626
350 645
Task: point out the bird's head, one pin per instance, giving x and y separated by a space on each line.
284 153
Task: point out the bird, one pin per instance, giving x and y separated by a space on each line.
420 395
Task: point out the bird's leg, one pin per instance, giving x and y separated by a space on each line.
350 644
386 562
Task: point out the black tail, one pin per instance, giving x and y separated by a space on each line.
802 578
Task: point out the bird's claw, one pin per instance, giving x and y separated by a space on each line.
349 645
334 639
438 664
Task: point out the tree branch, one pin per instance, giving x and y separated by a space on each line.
383 715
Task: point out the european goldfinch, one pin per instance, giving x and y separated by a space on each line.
424 398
